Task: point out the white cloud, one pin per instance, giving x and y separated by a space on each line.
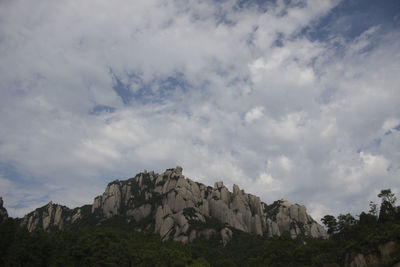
265 184
285 163
281 121
254 114
389 124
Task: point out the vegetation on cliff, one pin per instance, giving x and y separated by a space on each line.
116 246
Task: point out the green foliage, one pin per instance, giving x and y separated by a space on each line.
331 223
7 236
210 223
189 212
200 262
373 209
345 221
94 246
116 243
388 208
273 209
387 196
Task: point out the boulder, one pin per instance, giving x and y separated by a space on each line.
226 236
140 213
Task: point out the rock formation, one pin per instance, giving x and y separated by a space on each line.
50 217
176 207
3 212
385 255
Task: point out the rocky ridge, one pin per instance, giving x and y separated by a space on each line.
177 207
50 217
3 211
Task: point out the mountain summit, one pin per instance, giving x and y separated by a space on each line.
177 207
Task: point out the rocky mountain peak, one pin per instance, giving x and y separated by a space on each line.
177 207
50 217
3 211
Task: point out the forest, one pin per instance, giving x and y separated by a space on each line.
374 234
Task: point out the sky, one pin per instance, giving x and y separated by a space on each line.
292 99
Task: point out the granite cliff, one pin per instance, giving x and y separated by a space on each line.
177 207
3 212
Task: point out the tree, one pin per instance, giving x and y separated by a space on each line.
345 221
330 222
388 208
367 219
387 196
373 209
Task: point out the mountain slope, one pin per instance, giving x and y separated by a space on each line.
176 207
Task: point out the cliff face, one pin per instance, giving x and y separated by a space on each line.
177 207
3 211
50 217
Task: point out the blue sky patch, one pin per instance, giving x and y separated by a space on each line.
10 172
388 132
352 17
122 90
98 109
155 91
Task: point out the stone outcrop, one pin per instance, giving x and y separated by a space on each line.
50 216
179 206
385 255
282 216
3 211
176 207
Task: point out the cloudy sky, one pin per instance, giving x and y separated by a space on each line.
288 99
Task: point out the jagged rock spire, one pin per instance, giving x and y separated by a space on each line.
3 211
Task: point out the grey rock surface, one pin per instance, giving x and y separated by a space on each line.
179 208
3 211
226 236
50 217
